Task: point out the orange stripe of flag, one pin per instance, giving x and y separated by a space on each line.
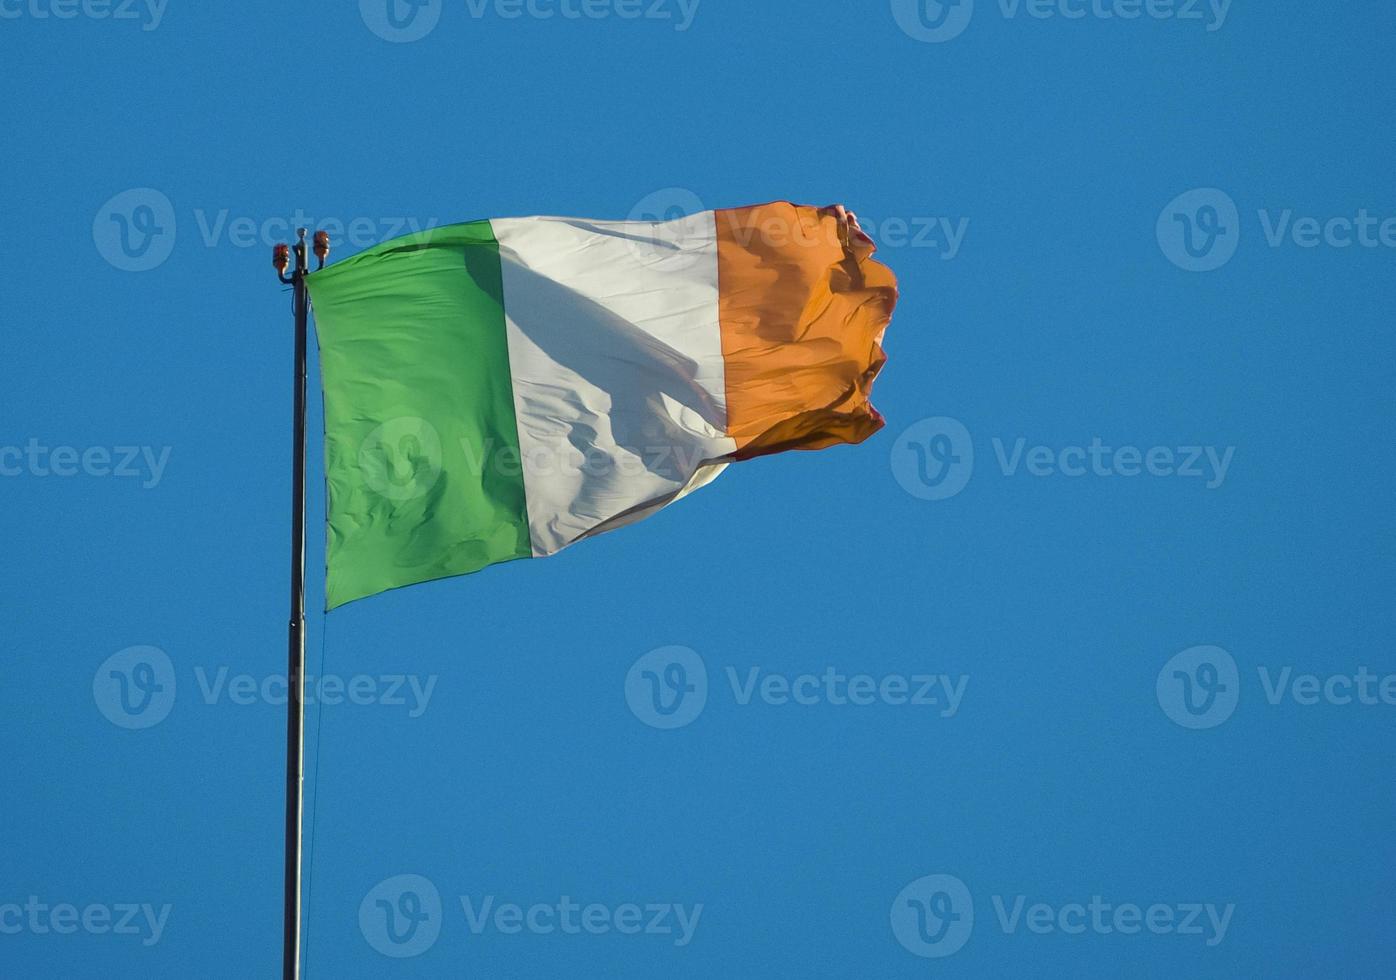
803 308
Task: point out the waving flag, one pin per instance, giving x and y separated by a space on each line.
501 389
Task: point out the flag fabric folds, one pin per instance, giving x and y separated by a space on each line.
501 389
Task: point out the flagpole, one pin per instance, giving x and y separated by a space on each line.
295 655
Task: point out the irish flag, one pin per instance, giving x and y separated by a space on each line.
501 389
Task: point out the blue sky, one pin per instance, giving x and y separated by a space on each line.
1093 642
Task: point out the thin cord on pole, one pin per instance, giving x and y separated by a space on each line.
314 800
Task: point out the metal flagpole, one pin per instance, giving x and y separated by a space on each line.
295 656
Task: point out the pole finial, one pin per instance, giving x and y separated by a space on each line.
302 265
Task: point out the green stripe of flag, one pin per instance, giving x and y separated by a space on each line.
418 396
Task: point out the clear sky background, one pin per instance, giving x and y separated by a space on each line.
1084 298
